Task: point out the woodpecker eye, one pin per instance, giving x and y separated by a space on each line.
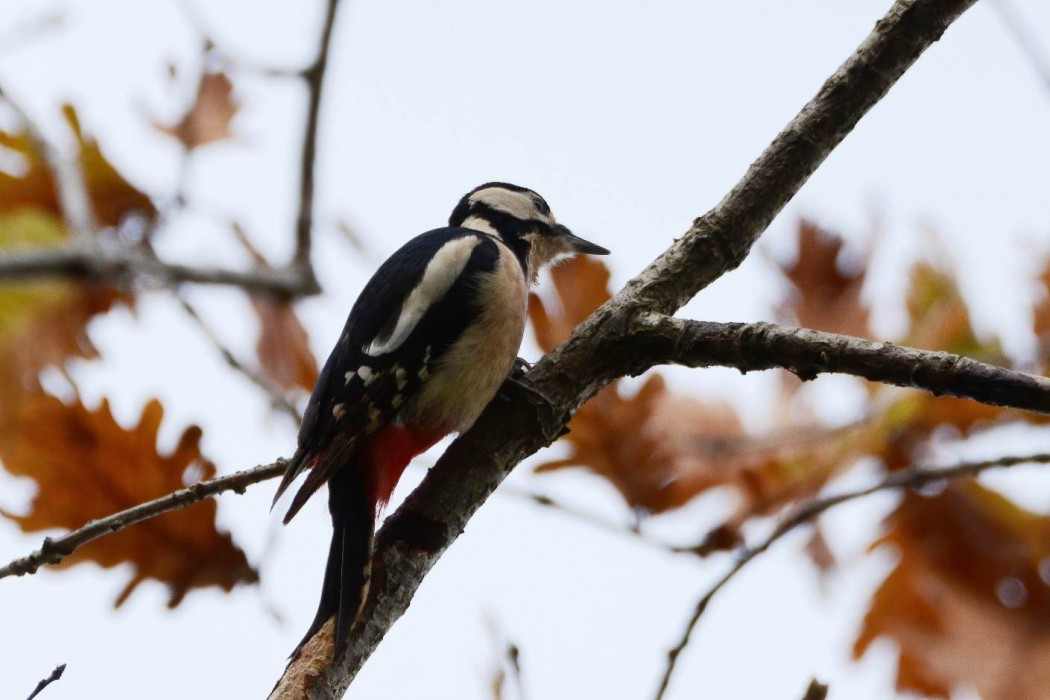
540 205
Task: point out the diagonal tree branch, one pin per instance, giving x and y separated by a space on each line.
535 412
913 478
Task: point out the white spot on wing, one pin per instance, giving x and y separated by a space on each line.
338 411
441 273
367 375
350 376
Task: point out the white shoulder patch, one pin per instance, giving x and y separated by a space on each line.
441 273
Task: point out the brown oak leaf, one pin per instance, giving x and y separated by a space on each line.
87 466
968 602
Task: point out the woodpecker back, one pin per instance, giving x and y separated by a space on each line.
426 346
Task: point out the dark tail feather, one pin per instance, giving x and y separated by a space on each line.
295 467
349 568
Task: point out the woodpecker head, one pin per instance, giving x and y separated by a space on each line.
521 219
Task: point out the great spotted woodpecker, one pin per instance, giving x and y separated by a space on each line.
433 335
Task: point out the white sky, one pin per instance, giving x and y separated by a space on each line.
631 118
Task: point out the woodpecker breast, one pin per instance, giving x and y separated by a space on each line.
471 370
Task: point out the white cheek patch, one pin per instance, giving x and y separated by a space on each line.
441 273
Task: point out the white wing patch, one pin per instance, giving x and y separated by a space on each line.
441 273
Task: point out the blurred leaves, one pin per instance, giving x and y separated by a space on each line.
969 600
283 347
44 322
84 464
87 466
30 186
826 285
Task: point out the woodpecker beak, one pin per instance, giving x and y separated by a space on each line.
577 244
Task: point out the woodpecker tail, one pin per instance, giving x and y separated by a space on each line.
348 572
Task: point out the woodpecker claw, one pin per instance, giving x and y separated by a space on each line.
520 368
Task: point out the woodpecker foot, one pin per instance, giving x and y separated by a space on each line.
517 378
520 367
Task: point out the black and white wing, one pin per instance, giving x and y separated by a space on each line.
415 306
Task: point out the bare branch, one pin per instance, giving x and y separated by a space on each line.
272 391
534 412
55 675
913 478
55 550
129 264
314 77
808 353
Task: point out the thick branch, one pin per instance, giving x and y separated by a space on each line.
415 536
913 478
55 550
807 353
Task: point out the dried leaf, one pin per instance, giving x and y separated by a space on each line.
940 319
32 187
42 322
87 466
827 290
660 450
968 601
284 346
1041 316
208 119
582 285
112 197
819 552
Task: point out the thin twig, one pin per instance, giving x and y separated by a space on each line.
54 550
272 391
314 78
913 478
70 186
55 675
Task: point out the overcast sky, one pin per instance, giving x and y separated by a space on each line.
631 119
